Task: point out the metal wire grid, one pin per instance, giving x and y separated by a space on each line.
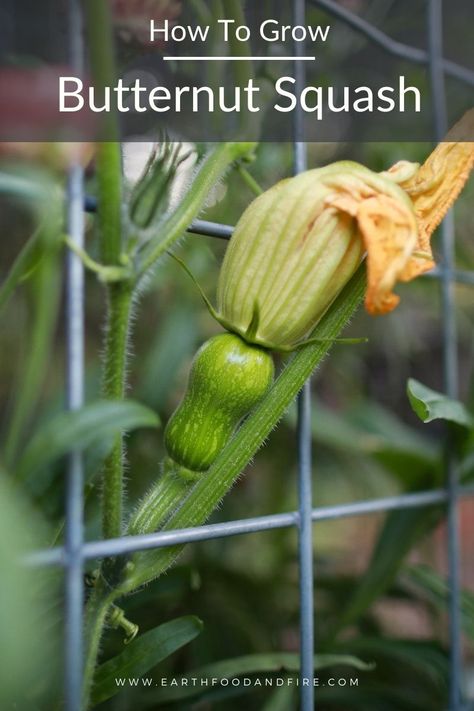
76 551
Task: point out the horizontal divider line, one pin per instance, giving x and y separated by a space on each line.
239 59
162 539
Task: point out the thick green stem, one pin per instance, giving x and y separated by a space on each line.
101 50
119 296
109 194
161 501
114 379
210 489
97 610
243 71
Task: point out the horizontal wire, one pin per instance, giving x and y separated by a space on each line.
162 539
211 229
398 49
461 276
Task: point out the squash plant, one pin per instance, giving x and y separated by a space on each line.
292 278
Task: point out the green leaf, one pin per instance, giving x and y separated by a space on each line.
174 341
401 531
24 264
28 635
143 654
436 589
369 431
44 199
394 656
45 293
281 700
278 662
430 405
381 696
77 430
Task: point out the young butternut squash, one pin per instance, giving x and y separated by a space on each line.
228 378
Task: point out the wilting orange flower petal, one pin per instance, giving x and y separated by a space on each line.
436 185
388 228
432 189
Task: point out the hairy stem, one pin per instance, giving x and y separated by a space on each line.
97 610
109 215
161 501
114 383
211 170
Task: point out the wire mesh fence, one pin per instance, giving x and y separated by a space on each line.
76 551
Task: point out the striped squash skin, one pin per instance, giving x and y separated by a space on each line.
228 378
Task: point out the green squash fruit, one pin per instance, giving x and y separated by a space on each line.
228 378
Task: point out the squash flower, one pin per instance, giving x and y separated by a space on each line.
298 244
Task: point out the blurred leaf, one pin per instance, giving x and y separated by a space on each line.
281 700
45 293
367 428
380 696
37 189
23 265
174 341
430 405
371 431
280 662
143 654
77 430
27 601
402 529
436 589
418 656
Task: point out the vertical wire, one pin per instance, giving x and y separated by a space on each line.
450 361
305 499
74 314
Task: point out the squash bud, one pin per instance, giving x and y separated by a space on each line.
299 243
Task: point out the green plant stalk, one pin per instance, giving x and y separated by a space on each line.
250 181
207 493
119 307
233 10
109 194
212 169
119 296
97 610
244 72
161 501
108 158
